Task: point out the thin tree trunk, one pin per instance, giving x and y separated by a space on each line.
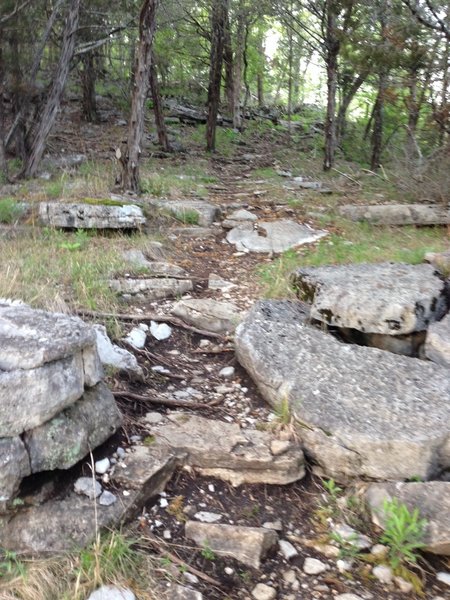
229 67
238 63
88 78
445 86
53 102
347 97
3 162
413 118
290 83
161 128
332 51
130 163
219 12
378 123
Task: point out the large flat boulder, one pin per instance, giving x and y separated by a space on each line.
437 345
272 236
91 216
360 411
385 298
398 214
432 499
152 288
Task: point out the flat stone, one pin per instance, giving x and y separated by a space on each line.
113 356
361 411
156 268
110 592
152 288
313 566
432 499
223 450
443 577
248 545
67 438
90 216
398 214
287 549
238 217
215 282
384 298
437 344
210 315
49 390
193 232
136 338
181 592
272 236
14 466
30 338
88 487
207 213
264 592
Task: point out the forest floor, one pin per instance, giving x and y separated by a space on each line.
67 271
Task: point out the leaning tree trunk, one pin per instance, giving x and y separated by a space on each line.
332 51
218 20
161 128
130 180
53 103
347 97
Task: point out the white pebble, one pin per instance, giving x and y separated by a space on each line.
101 466
312 566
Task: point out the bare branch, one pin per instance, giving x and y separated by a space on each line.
16 10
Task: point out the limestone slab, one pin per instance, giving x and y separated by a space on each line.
14 466
30 338
152 288
90 216
384 298
207 314
112 355
248 545
360 411
72 434
432 499
437 345
398 214
272 236
207 213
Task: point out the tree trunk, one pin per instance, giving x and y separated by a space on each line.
260 73
88 78
161 128
378 123
347 97
412 148
332 51
3 163
219 12
238 64
229 67
130 163
52 105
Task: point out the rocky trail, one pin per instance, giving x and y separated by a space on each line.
209 463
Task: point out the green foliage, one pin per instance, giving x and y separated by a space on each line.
81 239
10 210
404 533
332 488
11 565
207 552
283 412
188 217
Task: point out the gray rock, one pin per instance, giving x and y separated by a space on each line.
248 545
272 236
398 214
90 216
153 288
72 434
29 338
215 282
181 592
264 592
107 498
313 566
432 499
351 536
439 260
114 356
287 549
238 217
347 596
207 213
385 298
156 268
361 411
136 338
49 389
383 573
443 577
207 517
110 592
14 466
160 331
193 232
88 487
223 450
210 315
226 373
437 345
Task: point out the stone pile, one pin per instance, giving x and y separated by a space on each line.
54 408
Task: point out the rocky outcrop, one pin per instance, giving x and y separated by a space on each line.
91 216
201 212
398 214
437 345
360 411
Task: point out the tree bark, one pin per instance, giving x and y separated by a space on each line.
229 67
238 64
3 162
161 128
130 180
52 105
88 78
347 97
218 19
378 123
332 46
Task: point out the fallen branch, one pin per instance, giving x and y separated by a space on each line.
348 177
167 401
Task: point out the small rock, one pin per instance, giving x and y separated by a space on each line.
88 487
153 418
167 535
264 592
180 592
352 537
379 550
101 466
191 578
290 576
278 447
226 372
120 453
276 525
207 517
136 338
287 549
344 565
110 592
107 498
443 577
383 573
404 586
160 331
347 597
313 566
228 571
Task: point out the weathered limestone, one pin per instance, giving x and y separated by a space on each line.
210 315
239 217
156 268
91 216
116 357
437 345
385 298
272 236
14 466
398 214
181 209
432 499
152 288
224 450
248 545
361 411
68 437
